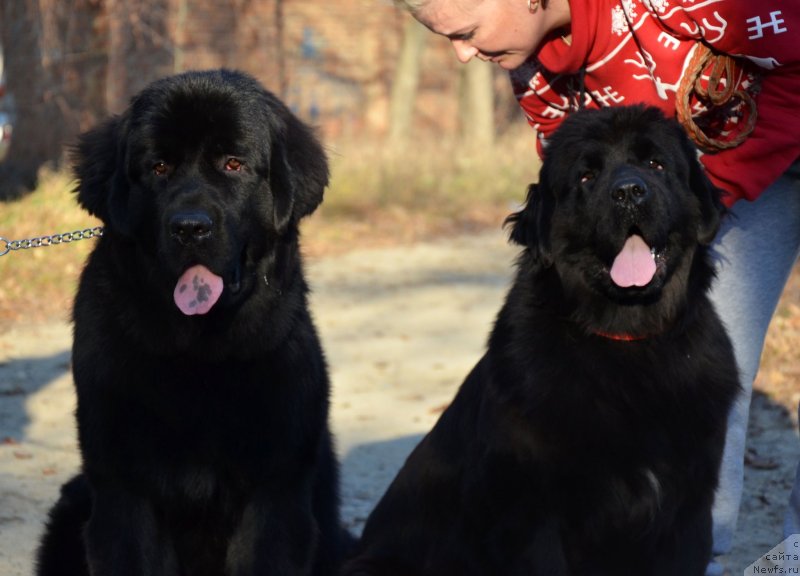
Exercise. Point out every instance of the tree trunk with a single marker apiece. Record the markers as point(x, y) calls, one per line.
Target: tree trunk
point(280, 35)
point(141, 48)
point(54, 61)
point(406, 81)
point(476, 106)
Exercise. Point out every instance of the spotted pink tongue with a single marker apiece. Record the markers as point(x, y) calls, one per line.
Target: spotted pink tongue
point(197, 291)
point(634, 265)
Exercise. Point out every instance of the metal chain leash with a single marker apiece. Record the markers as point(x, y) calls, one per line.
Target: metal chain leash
point(7, 245)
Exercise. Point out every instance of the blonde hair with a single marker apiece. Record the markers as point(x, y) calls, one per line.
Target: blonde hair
point(413, 6)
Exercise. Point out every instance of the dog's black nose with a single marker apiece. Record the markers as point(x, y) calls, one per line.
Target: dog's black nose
point(190, 227)
point(630, 189)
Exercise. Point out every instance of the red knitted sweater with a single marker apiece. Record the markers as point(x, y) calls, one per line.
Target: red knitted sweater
point(634, 51)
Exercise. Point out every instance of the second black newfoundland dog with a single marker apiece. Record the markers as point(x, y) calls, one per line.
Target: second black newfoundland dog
point(202, 388)
point(587, 440)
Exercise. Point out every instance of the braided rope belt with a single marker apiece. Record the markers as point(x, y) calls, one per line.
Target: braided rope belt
point(720, 94)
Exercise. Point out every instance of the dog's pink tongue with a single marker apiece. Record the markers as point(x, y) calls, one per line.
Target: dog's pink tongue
point(634, 265)
point(197, 291)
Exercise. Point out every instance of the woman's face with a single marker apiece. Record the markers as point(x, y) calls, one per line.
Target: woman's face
point(501, 31)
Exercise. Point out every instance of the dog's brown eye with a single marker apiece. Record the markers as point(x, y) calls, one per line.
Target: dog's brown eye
point(656, 165)
point(587, 177)
point(160, 169)
point(233, 165)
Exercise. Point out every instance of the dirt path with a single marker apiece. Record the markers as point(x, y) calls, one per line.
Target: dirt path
point(401, 328)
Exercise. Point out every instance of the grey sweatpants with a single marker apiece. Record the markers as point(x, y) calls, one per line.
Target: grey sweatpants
point(755, 252)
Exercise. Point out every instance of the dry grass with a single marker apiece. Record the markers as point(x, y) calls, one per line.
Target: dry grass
point(38, 284)
point(377, 196)
point(382, 195)
point(779, 376)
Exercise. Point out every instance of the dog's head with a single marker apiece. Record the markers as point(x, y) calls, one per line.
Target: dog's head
point(204, 171)
point(622, 213)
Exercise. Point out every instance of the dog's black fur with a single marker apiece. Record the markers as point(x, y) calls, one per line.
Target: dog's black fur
point(205, 440)
point(587, 440)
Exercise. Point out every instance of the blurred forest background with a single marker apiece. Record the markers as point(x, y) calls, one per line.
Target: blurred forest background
point(356, 69)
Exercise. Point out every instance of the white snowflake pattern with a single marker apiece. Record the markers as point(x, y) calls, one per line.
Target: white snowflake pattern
point(659, 6)
point(629, 6)
point(619, 23)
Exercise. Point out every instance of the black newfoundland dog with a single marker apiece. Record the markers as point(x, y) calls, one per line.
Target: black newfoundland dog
point(202, 387)
point(587, 440)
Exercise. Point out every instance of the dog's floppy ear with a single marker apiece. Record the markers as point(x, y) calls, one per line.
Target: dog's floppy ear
point(298, 172)
point(530, 227)
point(99, 165)
point(711, 207)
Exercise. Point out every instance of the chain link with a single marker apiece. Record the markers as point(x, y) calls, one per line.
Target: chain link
point(7, 246)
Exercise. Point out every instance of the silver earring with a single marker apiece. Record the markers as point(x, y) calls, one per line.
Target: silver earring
point(533, 6)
